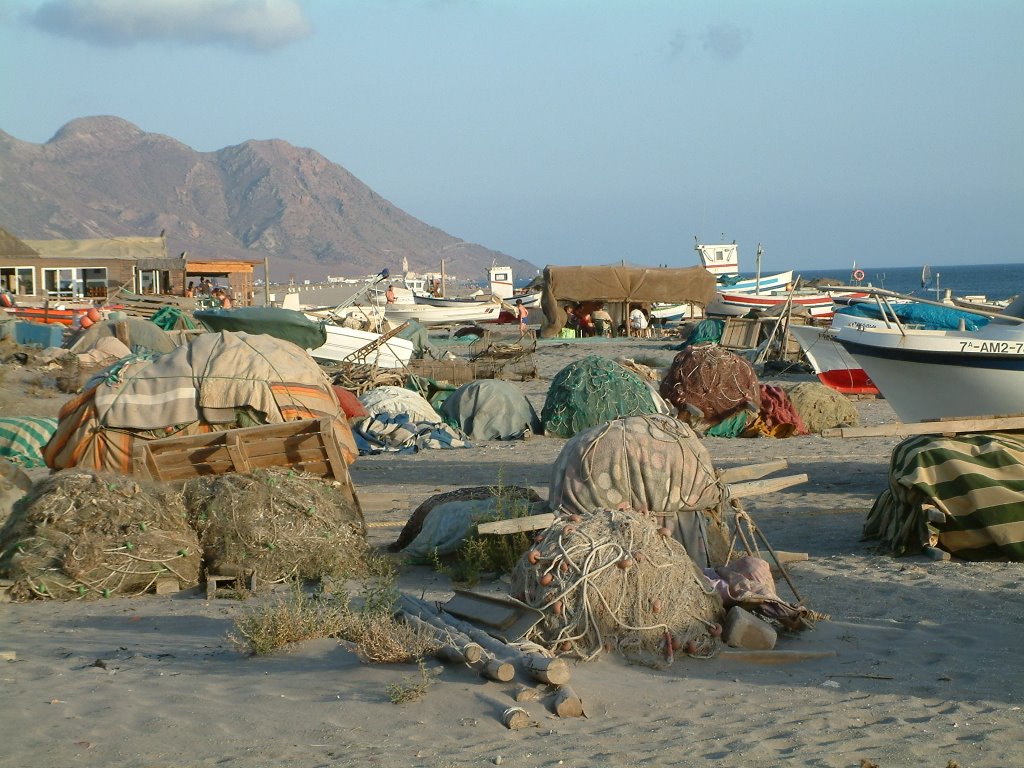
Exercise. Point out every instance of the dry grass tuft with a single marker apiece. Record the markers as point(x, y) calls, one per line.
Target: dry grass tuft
point(411, 688)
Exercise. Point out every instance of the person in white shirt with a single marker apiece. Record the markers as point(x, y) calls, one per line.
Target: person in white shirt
point(637, 321)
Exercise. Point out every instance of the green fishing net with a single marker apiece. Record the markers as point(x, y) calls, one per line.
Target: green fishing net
point(591, 391)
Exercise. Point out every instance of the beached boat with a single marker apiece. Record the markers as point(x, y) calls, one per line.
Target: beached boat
point(500, 286)
point(461, 312)
point(59, 314)
point(927, 374)
point(736, 297)
point(832, 364)
point(343, 342)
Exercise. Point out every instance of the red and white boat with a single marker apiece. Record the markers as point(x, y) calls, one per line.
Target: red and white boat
point(832, 364)
point(60, 314)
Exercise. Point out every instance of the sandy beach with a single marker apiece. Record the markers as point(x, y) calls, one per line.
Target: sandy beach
point(925, 670)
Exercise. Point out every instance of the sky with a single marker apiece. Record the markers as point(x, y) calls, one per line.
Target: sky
point(884, 132)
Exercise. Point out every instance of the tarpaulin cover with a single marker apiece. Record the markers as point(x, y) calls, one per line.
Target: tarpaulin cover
point(490, 409)
point(215, 382)
point(138, 334)
point(22, 439)
point(620, 284)
point(977, 481)
point(286, 324)
point(653, 463)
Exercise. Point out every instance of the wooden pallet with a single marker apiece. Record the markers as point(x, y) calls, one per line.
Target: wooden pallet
point(309, 446)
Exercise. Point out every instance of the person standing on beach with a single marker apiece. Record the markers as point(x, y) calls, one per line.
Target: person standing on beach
point(389, 294)
point(523, 314)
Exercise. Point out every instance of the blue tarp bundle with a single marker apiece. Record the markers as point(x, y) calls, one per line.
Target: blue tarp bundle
point(928, 316)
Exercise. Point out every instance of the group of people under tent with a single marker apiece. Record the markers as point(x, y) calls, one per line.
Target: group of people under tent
point(590, 318)
point(206, 289)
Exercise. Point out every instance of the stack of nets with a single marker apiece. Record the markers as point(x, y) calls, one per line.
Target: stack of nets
point(709, 384)
point(778, 416)
point(652, 463)
point(591, 391)
point(614, 580)
point(277, 524)
point(821, 407)
point(82, 535)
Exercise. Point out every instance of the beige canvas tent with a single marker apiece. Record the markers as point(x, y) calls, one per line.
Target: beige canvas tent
point(623, 285)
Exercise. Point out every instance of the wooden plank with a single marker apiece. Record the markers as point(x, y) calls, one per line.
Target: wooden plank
point(756, 487)
point(329, 439)
point(517, 524)
point(752, 471)
point(950, 426)
point(237, 452)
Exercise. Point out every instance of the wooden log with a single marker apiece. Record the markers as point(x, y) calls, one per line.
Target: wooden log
point(517, 524)
point(567, 703)
point(468, 651)
point(552, 671)
point(939, 555)
point(516, 717)
point(527, 660)
point(496, 669)
point(527, 694)
point(755, 487)
point(752, 471)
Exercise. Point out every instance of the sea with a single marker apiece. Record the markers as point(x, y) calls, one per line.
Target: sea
point(994, 281)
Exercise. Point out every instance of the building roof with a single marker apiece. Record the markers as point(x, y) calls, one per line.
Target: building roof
point(107, 248)
point(12, 246)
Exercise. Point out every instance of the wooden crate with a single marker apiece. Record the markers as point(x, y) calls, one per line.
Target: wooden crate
point(310, 446)
point(741, 333)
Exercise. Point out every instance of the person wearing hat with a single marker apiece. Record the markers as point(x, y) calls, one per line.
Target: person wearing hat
point(522, 313)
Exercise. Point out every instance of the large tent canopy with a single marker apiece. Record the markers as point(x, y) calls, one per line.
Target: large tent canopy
point(620, 284)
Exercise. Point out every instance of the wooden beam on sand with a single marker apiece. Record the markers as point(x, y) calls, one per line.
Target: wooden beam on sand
point(517, 524)
point(756, 487)
point(752, 471)
point(940, 427)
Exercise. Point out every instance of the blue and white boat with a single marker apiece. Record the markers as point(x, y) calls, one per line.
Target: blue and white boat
point(927, 375)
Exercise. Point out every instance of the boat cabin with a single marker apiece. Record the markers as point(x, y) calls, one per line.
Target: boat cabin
point(720, 259)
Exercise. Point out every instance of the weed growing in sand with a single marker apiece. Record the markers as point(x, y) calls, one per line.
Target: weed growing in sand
point(289, 619)
point(489, 554)
point(411, 688)
point(298, 616)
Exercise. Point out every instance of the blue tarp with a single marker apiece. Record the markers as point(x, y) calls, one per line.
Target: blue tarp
point(928, 316)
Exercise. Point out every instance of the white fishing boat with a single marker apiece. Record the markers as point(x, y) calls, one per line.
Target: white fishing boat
point(461, 312)
point(343, 342)
point(832, 364)
point(723, 261)
point(500, 286)
point(928, 375)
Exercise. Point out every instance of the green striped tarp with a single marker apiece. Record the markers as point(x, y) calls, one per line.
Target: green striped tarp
point(976, 480)
point(22, 439)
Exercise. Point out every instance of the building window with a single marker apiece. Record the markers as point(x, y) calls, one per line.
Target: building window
point(66, 283)
point(21, 281)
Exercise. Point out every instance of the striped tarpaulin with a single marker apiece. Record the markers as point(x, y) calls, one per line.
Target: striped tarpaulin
point(976, 480)
point(22, 439)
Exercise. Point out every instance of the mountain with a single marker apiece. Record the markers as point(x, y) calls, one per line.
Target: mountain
point(104, 177)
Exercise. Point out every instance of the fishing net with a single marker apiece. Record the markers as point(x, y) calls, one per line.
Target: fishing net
point(82, 535)
point(614, 580)
point(652, 463)
point(821, 407)
point(778, 417)
point(709, 384)
point(278, 524)
point(591, 391)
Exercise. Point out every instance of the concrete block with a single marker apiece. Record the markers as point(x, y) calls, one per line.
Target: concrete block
point(745, 630)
